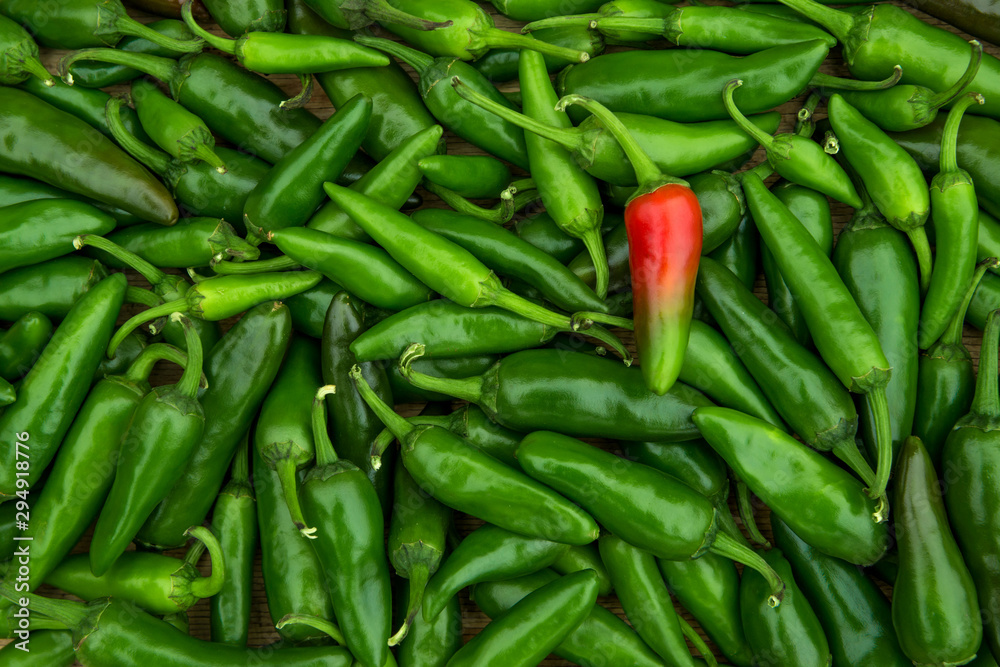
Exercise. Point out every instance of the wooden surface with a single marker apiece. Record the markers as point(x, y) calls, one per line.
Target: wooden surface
point(262, 631)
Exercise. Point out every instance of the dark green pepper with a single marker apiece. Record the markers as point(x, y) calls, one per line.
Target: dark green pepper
point(47, 648)
point(584, 557)
point(94, 75)
point(22, 344)
point(429, 644)
point(500, 65)
point(243, 17)
point(16, 189)
point(34, 231)
point(191, 243)
point(51, 288)
point(19, 55)
point(472, 176)
point(309, 308)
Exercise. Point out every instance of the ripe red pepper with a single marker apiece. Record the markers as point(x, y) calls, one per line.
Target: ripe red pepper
point(664, 226)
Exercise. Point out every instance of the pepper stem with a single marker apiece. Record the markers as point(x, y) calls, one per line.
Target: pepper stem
point(142, 367)
point(699, 644)
point(395, 423)
point(225, 243)
point(158, 67)
point(206, 587)
point(138, 319)
point(837, 22)
point(953, 334)
point(805, 122)
point(745, 505)
point(847, 451)
point(922, 247)
point(303, 96)
point(288, 478)
point(878, 407)
point(320, 624)
point(72, 614)
point(762, 137)
point(418, 60)
point(153, 275)
point(382, 12)
point(205, 153)
point(241, 462)
point(949, 136)
point(153, 158)
point(469, 389)
point(594, 243)
point(570, 139)
point(728, 525)
point(127, 25)
point(986, 402)
point(654, 27)
point(419, 575)
point(141, 296)
point(381, 443)
point(221, 43)
point(946, 97)
point(726, 546)
point(573, 21)
point(34, 67)
point(494, 38)
point(499, 214)
point(261, 266)
point(191, 378)
point(325, 453)
point(821, 80)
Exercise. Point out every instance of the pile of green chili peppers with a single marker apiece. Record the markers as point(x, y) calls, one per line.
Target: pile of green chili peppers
point(476, 368)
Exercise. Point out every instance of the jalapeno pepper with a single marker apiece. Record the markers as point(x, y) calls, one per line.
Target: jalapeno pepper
point(34, 231)
point(99, 75)
point(48, 648)
point(238, 19)
point(628, 9)
point(164, 430)
point(500, 65)
point(19, 54)
point(53, 146)
point(22, 344)
point(15, 190)
point(51, 288)
point(192, 242)
point(584, 557)
point(472, 176)
point(57, 384)
point(234, 522)
point(786, 475)
point(428, 644)
point(240, 369)
point(683, 85)
point(972, 16)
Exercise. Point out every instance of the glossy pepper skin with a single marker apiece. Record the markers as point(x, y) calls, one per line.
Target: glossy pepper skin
point(22, 343)
point(466, 479)
point(19, 55)
point(854, 613)
point(35, 231)
point(49, 648)
point(243, 17)
point(51, 288)
point(584, 395)
point(685, 86)
point(601, 638)
point(43, 142)
point(57, 385)
point(935, 609)
point(787, 636)
point(234, 523)
point(500, 65)
point(253, 349)
point(99, 75)
point(165, 429)
point(428, 644)
point(17, 189)
point(585, 557)
point(533, 626)
point(191, 243)
point(956, 231)
point(785, 475)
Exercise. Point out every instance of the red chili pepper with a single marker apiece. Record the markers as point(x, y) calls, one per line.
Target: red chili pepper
point(663, 222)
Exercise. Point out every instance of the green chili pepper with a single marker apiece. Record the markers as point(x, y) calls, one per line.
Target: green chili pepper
point(472, 480)
point(165, 429)
point(934, 604)
point(500, 65)
point(114, 632)
point(988, 242)
point(34, 231)
point(56, 386)
point(397, 111)
point(198, 187)
point(739, 252)
point(472, 176)
point(785, 475)
point(309, 308)
point(488, 554)
point(500, 214)
point(946, 380)
point(541, 231)
point(600, 639)
point(240, 18)
point(192, 242)
point(645, 599)
point(95, 75)
point(51, 288)
point(340, 501)
point(15, 190)
point(533, 10)
point(676, 148)
point(428, 644)
point(234, 522)
point(467, 281)
point(478, 127)
point(790, 635)
point(283, 434)
point(365, 270)
point(294, 580)
point(240, 369)
point(355, 426)
point(683, 85)
point(51, 145)
point(22, 344)
point(616, 250)
point(956, 224)
point(854, 613)
point(584, 557)
point(693, 463)
point(19, 56)
point(389, 182)
point(846, 341)
point(48, 648)
point(594, 22)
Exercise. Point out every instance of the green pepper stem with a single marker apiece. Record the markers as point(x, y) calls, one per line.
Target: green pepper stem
point(34, 67)
point(226, 243)
point(221, 43)
point(878, 407)
point(164, 69)
point(499, 214)
point(71, 614)
point(953, 334)
point(241, 462)
point(837, 22)
point(288, 478)
point(762, 137)
point(320, 624)
point(847, 451)
point(745, 505)
point(325, 453)
point(301, 98)
point(594, 243)
point(382, 12)
point(522, 185)
point(138, 319)
point(395, 423)
point(805, 123)
point(726, 546)
point(153, 158)
point(949, 136)
point(142, 367)
point(922, 247)
point(419, 575)
point(763, 171)
point(728, 525)
point(494, 38)
point(699, 644)
point(141, 296)
point(379, 445)
point(603, 318)
point(191, 378)
point(127, 25)
point(418, 60)
point(153, 275)
point(654, 27)
point(986, 403)
point(569, 138)
point(281, 263)
point(821, 80)
point(573, 21)
point(206, 587)
point(946, 97)
point(469, 389)
point(205, 153)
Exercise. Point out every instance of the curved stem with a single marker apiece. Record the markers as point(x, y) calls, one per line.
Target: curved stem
point(469, 389)
point(699, 644)
point(72, 614)
point(325, 453)
point(382, 12)
point(805, 123)
point(946, 97)
point(142, 367)
point(320, 624)
point(141, 296)
point(569, 138)
point(158, 67)
point(418, 582)
point(522, 185)
point(381, 443)
point(603, 318)
point(288, 478)
point(878, 407)
point(129, 26)
point(303, 96)
point(35, 68)
point(226, 243)
point(726, 546)
point(847, 451)
point(221, 43)
point(918, 237)
point(728, 525)
point(499, 214)
point(241, 462)
point(153, 158)
point(594, 243)
point(137, 320)
point(191, 378)
point(494, 38)
point(821, 80)
point(281, 263)
point(762, 137)
point(745, 504)
point(206, 587)
point(953, 334)
point(986, 402)
point(205, 153)
point(573, 21)
point(418, 60)
point(395, 423)
point(152, 274)
point(949, 136)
